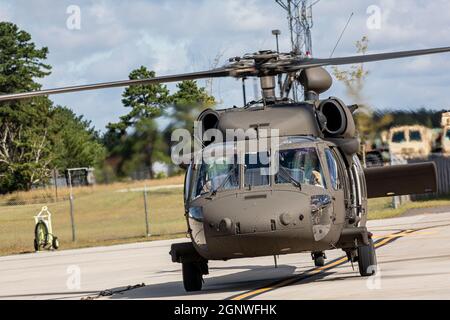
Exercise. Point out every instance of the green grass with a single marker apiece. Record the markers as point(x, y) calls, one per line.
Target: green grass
point(382, 208)
point(104, 216)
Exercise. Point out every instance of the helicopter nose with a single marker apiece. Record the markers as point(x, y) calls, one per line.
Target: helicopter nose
point(252, 214)
point(257, 224)
point(264, 223)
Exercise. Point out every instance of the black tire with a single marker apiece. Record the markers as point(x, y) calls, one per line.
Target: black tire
point(41, 234)
point(192, 277)
point(367, 260)
point(36, 245)
point(319, 261)
point(319, 258)
point(55, 243)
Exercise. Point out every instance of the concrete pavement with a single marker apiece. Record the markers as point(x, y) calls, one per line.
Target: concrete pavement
point(414, 266)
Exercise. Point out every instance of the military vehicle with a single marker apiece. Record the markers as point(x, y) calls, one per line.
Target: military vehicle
point(445, 142)
point(411, 141)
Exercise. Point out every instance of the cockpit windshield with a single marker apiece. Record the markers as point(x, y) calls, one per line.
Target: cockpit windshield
point(221, 171)
point(303, 165)
point(218, 174)
point(257, 173)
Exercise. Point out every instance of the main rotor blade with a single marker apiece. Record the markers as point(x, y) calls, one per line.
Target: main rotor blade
point(312, 63)
point(216, 73)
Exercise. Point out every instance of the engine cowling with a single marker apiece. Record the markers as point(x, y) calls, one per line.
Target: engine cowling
point(209, 119)
point(339, 119)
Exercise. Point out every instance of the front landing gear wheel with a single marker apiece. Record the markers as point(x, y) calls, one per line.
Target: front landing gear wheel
point(192, 277)
point(319, 258)
point(367, 260)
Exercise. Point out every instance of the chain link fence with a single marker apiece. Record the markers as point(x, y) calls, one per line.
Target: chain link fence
point(102, 214)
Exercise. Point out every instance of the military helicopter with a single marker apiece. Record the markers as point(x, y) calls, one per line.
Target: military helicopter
point(316, 201)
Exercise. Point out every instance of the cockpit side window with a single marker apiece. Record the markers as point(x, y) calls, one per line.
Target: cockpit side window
point(333, 169)
point(303, 165)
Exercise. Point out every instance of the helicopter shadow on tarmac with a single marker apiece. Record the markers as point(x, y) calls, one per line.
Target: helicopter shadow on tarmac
point(252, 278)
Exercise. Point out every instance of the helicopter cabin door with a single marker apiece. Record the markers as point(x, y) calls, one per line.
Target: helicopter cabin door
point(336, 182)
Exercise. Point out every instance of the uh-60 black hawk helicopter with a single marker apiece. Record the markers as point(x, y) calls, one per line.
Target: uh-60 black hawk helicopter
point(317, 201)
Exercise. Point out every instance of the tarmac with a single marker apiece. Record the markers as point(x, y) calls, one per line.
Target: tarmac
point(413, 254)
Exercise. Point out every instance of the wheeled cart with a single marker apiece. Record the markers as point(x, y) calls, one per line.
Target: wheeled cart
point(43, 231)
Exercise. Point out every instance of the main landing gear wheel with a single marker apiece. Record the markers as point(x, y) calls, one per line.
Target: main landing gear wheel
point(192, 276)
point(367, 260)
point(319, 258)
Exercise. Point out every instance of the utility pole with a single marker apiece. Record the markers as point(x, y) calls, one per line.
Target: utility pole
point(300, 20)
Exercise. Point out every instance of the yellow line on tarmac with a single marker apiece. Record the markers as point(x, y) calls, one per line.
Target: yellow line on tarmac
point(288, 281)
point(262, 290)
point(316, 271)
point(329, 266)
point(394, 235)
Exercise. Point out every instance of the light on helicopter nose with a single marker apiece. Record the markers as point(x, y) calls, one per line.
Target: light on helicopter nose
point(286, 219)
point(226, 225)
point(196, 213)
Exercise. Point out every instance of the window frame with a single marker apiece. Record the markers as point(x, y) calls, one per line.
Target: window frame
point(195, 171)
point(317, 148)
point(243, 172)
point(332, 153)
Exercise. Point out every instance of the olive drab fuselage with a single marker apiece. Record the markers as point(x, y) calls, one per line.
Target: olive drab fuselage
point(278, 217)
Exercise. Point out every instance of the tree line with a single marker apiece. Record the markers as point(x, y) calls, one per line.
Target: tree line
point(37, 136)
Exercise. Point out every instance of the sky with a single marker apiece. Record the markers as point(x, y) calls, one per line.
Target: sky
point(116, 36)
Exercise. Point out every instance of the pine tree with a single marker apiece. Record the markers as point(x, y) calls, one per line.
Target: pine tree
point(35, 136)
point(24, 135)
point(187, 103)
point(138, 130)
